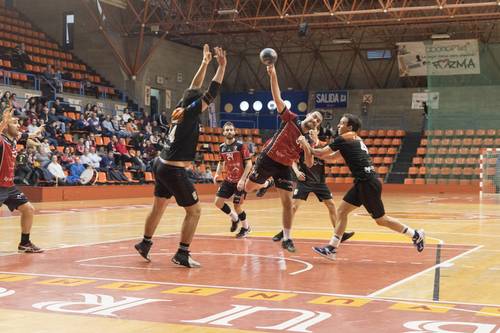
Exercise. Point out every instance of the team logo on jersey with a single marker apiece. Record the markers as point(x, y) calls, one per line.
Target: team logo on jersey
point(195, 195)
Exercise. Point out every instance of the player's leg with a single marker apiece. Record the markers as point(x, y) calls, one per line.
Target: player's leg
point(27, 213)
point(225, 192)
point(182, 257)
point(242, 215)
point(15, 199)
point(332, 213)
point(350, 202)
point(152, 221)
point(371, 195)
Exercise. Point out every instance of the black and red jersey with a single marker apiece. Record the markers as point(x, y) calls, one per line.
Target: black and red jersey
point(8, 154)
point(283, 147)
point(234, 156)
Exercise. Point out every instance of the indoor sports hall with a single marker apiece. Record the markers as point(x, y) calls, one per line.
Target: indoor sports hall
point(157, 153)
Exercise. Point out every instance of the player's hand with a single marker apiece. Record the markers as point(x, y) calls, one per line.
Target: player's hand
point(271, 70)
point(302, 141)
point(241, 185)
point(314, 134)
point(207, 55)
point(177, 115)
point(220, 55)
point(300, 176)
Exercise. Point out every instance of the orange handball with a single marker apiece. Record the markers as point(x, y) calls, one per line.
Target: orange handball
point(177, 115)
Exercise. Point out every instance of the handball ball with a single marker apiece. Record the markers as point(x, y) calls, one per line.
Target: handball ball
point(268, 56)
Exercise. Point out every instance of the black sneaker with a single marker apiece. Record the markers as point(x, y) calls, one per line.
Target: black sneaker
point(183, 258)
point(346, 236)
point(29, 247)
point(143, 249)
point(325, 252)
point(243, 232)
point(262, 191)
point(288, 245)
point(278, 236)
point(419, 240)
point(234, 225)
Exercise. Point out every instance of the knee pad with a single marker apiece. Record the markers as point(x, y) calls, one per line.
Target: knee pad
point(242, 216)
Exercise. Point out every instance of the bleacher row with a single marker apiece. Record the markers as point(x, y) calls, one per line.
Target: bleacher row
point(383, 146)
point(42, 52)
point(452, 156)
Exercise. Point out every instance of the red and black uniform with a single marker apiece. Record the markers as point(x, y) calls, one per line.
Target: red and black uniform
point(279, 153)
point(234, 156)
point(9, 194)
point(367, 189)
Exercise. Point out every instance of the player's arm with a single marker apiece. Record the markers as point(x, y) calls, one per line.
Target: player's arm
point(299, 174)
point(316, 152)
point(308, 156)
point(202, 70)
point(214, 88)
point(275, 89)
point(332, 157)
point(218, 171)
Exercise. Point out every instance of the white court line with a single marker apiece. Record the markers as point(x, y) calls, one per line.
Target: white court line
point(376, 293)
point(308, 265)
point(381, 299)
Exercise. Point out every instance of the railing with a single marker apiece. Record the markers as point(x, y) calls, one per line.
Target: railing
point(8, 76)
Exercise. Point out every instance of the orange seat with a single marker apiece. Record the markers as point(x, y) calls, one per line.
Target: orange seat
point(388, 160)
point(409, 181)
point(417, 160)
point(419, 181)
point(383, 170)
point(412, 171)
point(148, 177)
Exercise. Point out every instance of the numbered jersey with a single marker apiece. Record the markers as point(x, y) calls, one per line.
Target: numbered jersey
point(234, 156)
point(355, 154)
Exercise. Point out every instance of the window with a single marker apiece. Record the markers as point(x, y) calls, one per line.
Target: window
point(378, 54)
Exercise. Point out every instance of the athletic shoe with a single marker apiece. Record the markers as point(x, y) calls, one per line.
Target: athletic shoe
point(288, 245)
point(262, 191)
point(419, 240)
point(234, 225)
point(278, 236)
point(346, 236)
point(183, 258)
point(143, 249)
point(243, 232)
point(29, 247)
point(325, 252)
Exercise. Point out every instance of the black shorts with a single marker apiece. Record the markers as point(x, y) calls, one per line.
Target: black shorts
point(320, 189)
point(12, 197)
point(174, 181)
point(369, 194)
point(265, 168)
point(227, 189)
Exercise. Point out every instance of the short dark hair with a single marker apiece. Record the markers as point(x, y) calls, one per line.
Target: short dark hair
point(353, 121)
point(228, 123)
point(189, 96)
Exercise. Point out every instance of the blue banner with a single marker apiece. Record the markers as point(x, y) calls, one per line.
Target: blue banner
point(330, 99)
point(257, 109)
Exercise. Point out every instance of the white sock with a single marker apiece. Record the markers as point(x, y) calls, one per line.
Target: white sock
point(234, 216)
point(245, 224)
point(286, 233)
point(335, 241)
point(408, 231)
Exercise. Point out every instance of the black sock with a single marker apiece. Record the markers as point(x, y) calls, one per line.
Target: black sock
point(25, 238)
point(226, 209)
point(147, 239)
point(183, 247)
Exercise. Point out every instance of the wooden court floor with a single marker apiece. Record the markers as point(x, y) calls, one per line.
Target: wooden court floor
point(90, 279)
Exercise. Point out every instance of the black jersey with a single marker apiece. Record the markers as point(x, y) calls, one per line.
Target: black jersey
point(314, 174)
point(355, 154)
point(183, 136)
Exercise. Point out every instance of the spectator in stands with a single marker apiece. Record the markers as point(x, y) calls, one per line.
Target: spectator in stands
point(163, 121)
point(15, 104)
point(80, 146)
point(75, 170)
point(107, 126)
point(250, 145)
point(43, 154)
point(24, 167)
point(131, 127)
point(67, 157)
point(496, 178)
point(57, 170)
point(118, 129)
point(207, 176)
point(121, 148)
point(94, 123)
point(138, 165)
point(6, 98)
point(81, 124)
point(19, 57)
point(150, 150)
point(85, 158)
point(126, 116)
point(109, 166)
point(94, 158)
